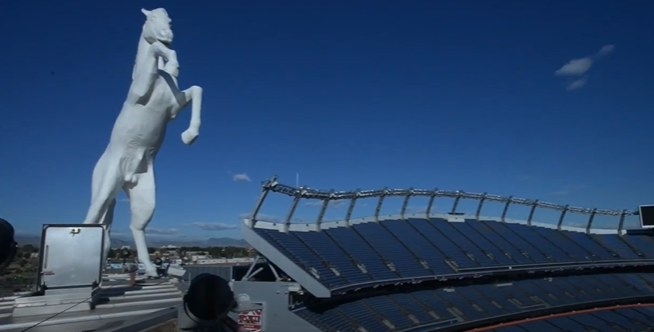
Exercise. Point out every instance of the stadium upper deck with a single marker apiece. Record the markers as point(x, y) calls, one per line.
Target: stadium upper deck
point(450, 269)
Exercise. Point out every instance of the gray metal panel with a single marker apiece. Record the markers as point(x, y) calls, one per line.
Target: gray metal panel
point(71, 255)
point(274, 297)
point(287, 265)
point(222, 271)
point(120, 306)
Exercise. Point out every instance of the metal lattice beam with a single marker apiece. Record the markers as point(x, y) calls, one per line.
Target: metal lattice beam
point(298, 194)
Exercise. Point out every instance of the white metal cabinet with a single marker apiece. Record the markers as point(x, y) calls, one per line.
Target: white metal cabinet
point(71, 256)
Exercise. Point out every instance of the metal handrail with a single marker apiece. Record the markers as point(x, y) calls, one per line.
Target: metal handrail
point(299, 193)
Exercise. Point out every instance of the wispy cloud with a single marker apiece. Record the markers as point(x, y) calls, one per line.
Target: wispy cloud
point(213, 226)
point(606, 50)
point(260, 216)
point(575, 67)
point(524, 177)
point(577, 84)
point(162, 231)
point(241, 177)
point(578, 68)
point(569, 189)
point(154, 232)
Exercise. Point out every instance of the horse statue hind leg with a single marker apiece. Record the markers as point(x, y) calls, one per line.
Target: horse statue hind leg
point(141, 194)
point(105, 184)
point(142, 203)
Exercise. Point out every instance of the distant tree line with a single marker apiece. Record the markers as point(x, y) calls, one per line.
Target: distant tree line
point(216, 252)
point(20, 275)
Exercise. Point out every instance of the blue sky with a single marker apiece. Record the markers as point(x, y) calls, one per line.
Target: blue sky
point(450, 94)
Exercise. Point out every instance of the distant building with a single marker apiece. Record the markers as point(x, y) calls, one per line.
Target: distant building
point(228, 261)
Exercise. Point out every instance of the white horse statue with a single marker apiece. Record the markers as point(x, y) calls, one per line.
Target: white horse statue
point(128, 161)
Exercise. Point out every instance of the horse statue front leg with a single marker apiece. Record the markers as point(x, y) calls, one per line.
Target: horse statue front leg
point(193, 95)
point(146, 71)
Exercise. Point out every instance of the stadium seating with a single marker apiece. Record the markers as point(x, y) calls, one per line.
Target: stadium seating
point(623, 319)
point(391, 251)
point(428, 309)
point(458, 271)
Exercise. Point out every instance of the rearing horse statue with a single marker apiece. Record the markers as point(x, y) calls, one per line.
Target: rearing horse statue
point(128, 161)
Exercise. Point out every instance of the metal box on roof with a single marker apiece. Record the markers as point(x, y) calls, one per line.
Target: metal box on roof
point(71, 256)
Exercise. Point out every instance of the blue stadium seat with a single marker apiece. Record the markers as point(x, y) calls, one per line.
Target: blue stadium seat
point(643, 316)
point(642, 244)
point(589, 244)
point(390, 251)
point(304, 256)
point(451, 231)
point(363, 253)
point(534, 236)
point(418, 309)
point(449, 307)
point(420, 246)
point(386, 308)
point(329, 251)
point(615, 244)
point(487, 247)
point(506, 231)
point(459, 256)
point(362, 315)
point(405, 262)
point(622, 319)
point(505, 245)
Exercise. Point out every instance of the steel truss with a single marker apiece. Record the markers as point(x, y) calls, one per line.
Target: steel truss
point(297, 194)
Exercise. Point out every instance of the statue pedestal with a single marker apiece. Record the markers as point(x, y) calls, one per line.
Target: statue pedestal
point(70, 270)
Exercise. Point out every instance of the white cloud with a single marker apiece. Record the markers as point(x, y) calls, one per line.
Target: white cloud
point(215, 226)
point(580, 67)
point(241, 177)
point(569, 189)
point(260, 216)
point(161, 231)
point(577, 84)
point(606, 50)
point(575, 67)
point(524, 177)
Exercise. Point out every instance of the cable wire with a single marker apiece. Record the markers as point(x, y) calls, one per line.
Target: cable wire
point(71, 307)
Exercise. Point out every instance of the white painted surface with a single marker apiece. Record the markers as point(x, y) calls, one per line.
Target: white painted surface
point(152, 101)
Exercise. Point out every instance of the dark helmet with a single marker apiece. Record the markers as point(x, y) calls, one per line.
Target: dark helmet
point(209, 297)
point(7, 243)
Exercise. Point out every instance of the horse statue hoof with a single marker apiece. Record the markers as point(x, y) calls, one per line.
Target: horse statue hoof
point(189, 136)
point(151, 272)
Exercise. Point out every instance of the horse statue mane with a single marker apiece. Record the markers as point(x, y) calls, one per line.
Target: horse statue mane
point(127, 163)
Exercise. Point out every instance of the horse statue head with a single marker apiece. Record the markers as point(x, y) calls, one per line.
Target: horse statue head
point(157, 26)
